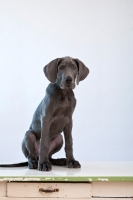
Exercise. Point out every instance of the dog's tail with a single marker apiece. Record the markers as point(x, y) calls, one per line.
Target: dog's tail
point(23, 164)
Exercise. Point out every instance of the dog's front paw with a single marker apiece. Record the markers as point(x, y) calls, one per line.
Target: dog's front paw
point(46, 166)
point(32, 164)
point(74, 164)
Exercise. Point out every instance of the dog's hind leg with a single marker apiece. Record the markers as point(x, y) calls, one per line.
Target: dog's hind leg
point(30, 148)
point(55, 146)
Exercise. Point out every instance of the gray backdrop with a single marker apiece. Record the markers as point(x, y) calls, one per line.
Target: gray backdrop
point(98, 32)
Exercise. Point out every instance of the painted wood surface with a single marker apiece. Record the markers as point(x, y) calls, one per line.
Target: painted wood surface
point(112, 189)
point(89, 172)
point(19, 198)
point(94, 190)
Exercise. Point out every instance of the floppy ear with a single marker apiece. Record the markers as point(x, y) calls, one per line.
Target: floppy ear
point(50, 70)
point(83, 71)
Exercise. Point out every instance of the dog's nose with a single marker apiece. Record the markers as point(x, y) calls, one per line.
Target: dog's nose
point(68, 79)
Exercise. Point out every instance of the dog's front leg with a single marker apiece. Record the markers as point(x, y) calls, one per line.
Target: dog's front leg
point(44, 164)
point(48, 107)
point(72, 163)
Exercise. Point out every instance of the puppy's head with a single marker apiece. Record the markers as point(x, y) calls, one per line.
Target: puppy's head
point(66, 71)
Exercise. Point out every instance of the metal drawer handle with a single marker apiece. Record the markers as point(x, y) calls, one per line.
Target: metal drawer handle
point(48, 190)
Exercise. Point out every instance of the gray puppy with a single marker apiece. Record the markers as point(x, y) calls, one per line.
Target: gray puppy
point(54, 116)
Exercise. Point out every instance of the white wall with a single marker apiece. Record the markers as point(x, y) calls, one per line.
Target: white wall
point(98, 32)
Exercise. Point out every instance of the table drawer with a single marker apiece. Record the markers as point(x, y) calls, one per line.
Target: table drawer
point(67, 190)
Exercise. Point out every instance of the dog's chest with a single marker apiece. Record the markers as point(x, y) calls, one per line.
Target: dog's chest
point(64, 108)
point(61, 116)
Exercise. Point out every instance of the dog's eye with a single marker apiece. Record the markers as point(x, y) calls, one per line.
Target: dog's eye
point(74, 67)
point(60, 67)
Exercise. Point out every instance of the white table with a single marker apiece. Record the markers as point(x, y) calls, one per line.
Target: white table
point(93, 181)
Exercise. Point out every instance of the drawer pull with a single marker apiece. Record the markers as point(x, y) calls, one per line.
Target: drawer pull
point(48, 190)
